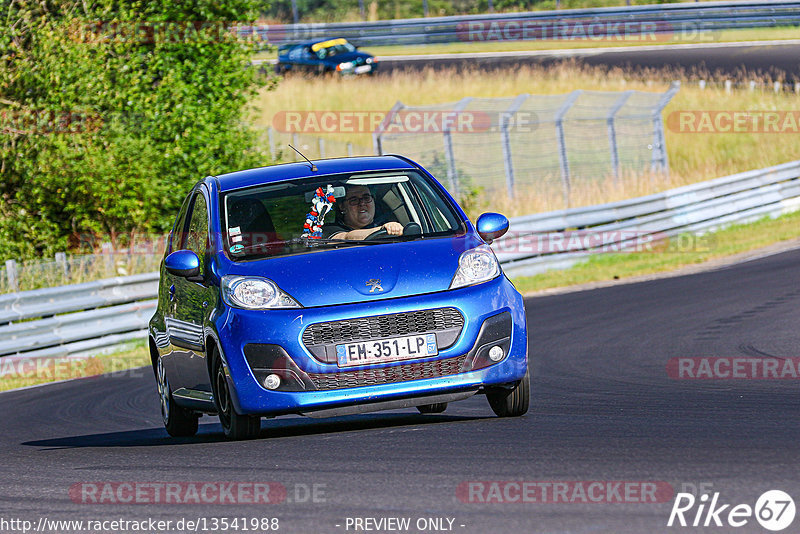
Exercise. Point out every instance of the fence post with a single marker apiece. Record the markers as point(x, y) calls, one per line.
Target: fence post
point(271, 136)
point(61, 261)
point(377, 142)
point(108, 258)
point(612, 133)
point(449, 156)
point(506, 141)
point(659, 161)
point(296, 143)
point(562, 147)
point(321, 143)
point(350, 149)
point(11, 274)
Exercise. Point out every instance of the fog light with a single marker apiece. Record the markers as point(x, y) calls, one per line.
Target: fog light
point(496, 353)
point(272, 382)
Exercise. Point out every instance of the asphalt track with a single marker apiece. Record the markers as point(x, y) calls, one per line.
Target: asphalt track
point(603, 409)
point(779, 60)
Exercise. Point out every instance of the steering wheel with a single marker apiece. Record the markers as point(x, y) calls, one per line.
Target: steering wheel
point(380, 233)
point(411, 228)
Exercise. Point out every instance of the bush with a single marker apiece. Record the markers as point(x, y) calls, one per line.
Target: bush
point(104, 129)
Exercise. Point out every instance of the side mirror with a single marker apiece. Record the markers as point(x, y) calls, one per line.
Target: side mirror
point(183, 263)
point(491, 226)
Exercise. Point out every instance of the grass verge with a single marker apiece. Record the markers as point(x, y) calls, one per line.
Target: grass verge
point(19, 373)
point(722, 243)
point(693, 157)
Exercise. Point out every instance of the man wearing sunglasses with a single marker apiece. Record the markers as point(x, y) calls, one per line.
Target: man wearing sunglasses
point(355, 219)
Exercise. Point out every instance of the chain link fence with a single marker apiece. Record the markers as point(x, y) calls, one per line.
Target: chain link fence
point(517, 145)
point(63, 269)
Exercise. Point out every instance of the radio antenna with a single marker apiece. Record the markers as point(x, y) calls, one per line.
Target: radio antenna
point(313, 167)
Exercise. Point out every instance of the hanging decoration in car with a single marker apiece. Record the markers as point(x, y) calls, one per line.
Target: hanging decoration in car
point(321, 204)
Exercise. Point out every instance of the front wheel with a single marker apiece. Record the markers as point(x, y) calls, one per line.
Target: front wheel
point(511, 402)
point(235, 426)
point(177, 421)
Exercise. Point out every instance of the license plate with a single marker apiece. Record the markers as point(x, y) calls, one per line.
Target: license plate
point(363, 68)
point(386, 350)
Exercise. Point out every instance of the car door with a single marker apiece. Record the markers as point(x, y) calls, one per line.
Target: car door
point(193, 300)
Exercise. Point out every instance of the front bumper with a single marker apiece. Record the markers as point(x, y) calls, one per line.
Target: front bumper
point(463, 366)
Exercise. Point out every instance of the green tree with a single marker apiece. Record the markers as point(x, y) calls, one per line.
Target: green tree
point(111, 109)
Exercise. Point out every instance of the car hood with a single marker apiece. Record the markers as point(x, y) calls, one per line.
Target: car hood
point(364, 273)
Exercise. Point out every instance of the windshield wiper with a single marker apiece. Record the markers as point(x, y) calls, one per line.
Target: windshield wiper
point(325, 241)
point(305, 241)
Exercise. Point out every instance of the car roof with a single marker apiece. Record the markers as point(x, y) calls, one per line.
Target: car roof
point(289, 171)
point(313, 41)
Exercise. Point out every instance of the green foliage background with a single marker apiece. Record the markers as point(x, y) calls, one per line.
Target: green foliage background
point(159, 114)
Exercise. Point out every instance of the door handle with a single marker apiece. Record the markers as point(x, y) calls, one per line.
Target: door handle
point(172, 292)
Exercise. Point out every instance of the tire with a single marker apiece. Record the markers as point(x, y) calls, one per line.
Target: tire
point(439, 407)
point(235, 426)
point(178, 421)
point(511, 402)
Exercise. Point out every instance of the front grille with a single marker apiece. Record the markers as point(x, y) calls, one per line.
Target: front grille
point(388, 375)
point(383, 326)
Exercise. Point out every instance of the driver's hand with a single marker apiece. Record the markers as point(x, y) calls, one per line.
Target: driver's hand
point(393, 228)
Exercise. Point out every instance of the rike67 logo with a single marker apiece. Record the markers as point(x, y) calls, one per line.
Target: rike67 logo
point(774, 510)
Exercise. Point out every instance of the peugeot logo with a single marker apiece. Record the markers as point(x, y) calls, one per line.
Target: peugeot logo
point(376, 285)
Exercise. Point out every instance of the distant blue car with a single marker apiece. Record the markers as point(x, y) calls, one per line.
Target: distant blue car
point(336, 287)
point(325, 55)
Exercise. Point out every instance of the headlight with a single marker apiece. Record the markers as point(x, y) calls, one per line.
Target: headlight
point(252, 293)
point(475, 266)
point(345, 66)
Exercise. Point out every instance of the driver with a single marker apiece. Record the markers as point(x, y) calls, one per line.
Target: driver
point(357, 217)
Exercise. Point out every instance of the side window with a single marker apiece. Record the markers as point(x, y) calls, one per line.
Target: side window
point(197, 234)
point(176, 237)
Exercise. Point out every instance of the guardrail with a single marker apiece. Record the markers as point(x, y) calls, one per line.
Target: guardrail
point(572, 235)
point(662, 18)
point(77, 319)
point(80, 319)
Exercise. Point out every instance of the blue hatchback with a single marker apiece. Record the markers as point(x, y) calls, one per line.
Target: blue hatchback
point(336, 287)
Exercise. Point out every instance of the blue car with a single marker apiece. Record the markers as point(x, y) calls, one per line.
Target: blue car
point(324, 56)
point(335, 287)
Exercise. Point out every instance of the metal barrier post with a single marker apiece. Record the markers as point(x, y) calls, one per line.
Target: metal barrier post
point(271, 136)
point(562, 146)
point(612, 133)
point(321, 143)
point(61, 261)
point(506, 141)
point(11, 274)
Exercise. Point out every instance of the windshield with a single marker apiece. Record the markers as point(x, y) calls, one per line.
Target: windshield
point(313, 214)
